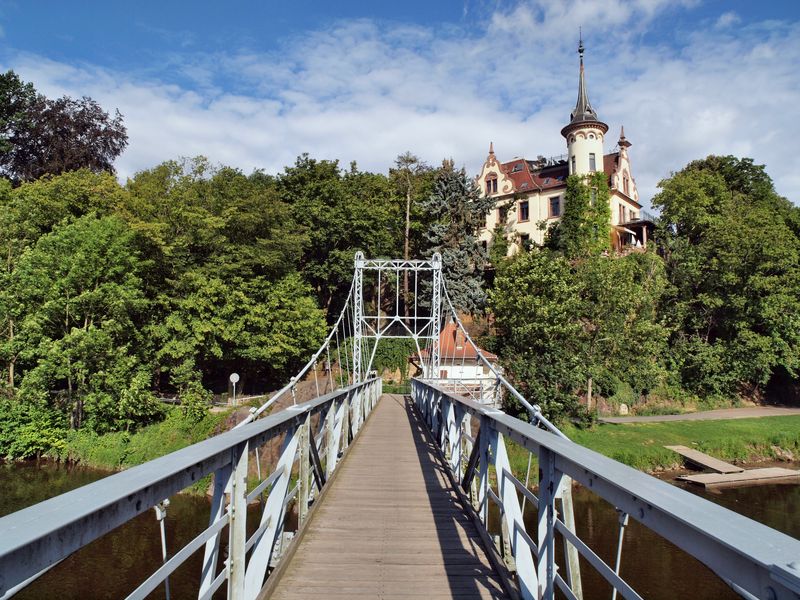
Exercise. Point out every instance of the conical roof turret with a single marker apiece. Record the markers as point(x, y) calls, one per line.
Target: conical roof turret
point(583, 112)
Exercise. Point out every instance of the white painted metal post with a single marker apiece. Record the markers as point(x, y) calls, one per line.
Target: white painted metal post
point(237, 529)
point(512, 513)
point(303, 468)
point(546, 519)
point(271, 517)
point(335, 422)
point(436, 316)
point(222, 480)
point(358, 315)
point(572, 564)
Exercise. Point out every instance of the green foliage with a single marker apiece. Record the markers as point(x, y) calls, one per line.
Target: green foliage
point(459, 209)
point(29, 429)
point(342, 212)
point(392, 354)
point(585, 227)
point(39, 136)
point(81, 295)
point(732, 253)
point(498, 251)
point(535, 302)
point(561, 324)
point(127, 449)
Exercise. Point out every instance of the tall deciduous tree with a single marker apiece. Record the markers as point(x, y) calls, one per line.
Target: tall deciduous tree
point(81, 294)
point(409, 175)
point(733, 257)
point(459, 210)
point(343, 211)
point(40, 136)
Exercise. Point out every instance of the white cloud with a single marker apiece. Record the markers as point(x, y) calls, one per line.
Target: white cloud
point(727, 19)
point(365, 91)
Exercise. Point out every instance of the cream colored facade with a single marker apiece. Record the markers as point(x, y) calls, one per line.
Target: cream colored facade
point(529, 193)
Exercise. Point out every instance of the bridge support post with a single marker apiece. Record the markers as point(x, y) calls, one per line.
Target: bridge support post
point(546, 521)
point(572, 563)
point(529, 583)
point(272, 517)
point(222, 480)
point(335, 420)
point(304, 474)
point(237, 529)
point(436, 315)
point(358, 315)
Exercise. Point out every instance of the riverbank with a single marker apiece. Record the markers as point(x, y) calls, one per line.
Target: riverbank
point(641, 445)
point(121, 450)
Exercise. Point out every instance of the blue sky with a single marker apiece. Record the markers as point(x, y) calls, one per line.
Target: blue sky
point(254, 84)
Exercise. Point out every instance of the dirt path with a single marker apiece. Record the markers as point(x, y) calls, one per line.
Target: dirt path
point(711, 415)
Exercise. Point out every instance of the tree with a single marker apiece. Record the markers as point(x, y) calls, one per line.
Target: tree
point(458, 210)
point(536, 302)
point(257, 327)
point(343, 212)
point(584, 228)
point(81, 298)
point(26, 214)
point(40, 136)
point(408, 174)
point(16, 100)
point(623, 339)
point(732, 252)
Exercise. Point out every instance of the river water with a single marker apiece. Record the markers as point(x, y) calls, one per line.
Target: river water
point(114, 565)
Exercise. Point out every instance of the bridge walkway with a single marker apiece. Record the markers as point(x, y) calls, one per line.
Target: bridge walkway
point(390, 526)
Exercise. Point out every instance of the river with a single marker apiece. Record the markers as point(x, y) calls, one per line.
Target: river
point(112, 566)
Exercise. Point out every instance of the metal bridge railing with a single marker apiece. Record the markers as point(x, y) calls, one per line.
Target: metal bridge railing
point(313, 436)
point(755, 560)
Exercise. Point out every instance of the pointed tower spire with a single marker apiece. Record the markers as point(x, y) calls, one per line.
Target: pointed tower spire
point(623, 141)
point(583, 108)
point(491, 147)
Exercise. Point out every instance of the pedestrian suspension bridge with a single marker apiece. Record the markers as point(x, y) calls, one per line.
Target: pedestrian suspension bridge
point(364, 494)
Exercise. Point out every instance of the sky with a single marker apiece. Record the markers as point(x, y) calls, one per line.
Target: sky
point(254, 84)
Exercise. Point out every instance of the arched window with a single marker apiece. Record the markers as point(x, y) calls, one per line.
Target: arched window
point(626, 184)
point(491, 184)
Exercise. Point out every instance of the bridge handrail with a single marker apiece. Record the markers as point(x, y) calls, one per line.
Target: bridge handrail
point(751, 557)
point(37, 537)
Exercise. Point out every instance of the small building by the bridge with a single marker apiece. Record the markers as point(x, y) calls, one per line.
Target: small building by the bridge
point(530, 192)
point(458, 357)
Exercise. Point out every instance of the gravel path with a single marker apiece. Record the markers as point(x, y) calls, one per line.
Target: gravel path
point(711, 415)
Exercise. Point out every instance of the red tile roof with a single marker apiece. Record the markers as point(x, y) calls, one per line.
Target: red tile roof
point(527, 177)
point(453, 345)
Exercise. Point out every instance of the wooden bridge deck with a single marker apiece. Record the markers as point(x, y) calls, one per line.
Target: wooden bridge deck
point(390, 526)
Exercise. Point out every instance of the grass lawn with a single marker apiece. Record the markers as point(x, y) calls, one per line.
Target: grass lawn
point(641, 445)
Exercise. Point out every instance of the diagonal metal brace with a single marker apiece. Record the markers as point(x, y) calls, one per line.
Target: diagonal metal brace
point(472, 463)
point(319, 475)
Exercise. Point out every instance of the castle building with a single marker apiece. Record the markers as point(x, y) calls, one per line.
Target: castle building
point(529, 192)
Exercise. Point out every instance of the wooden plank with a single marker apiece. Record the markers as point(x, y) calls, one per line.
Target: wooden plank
point(749, 477)
point(390, 526)
point(704, 460)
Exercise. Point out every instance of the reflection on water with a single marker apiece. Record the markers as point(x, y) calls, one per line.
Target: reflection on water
point(114, 565)
point(654, 567)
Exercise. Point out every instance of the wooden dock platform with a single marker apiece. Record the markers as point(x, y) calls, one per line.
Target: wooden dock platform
point(390, 526)
point(704, 460)
point(743, 478)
